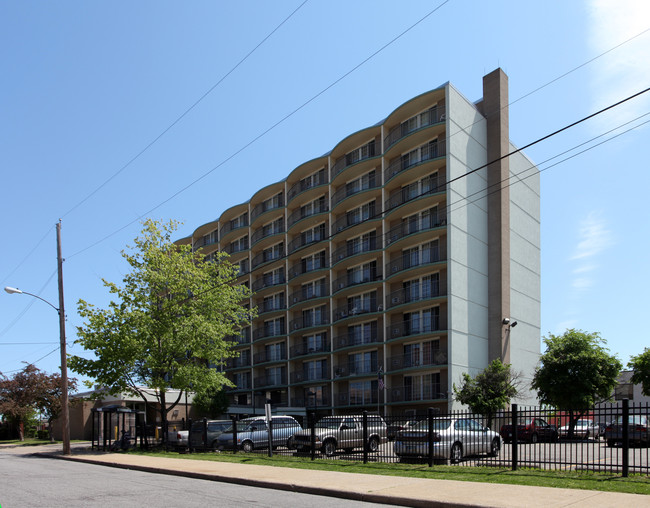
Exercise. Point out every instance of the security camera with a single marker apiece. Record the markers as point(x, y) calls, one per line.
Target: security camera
point(513, 324)
point(506, 320)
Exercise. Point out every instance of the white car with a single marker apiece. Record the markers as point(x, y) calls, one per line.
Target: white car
point(584, 429)
point(453, 439)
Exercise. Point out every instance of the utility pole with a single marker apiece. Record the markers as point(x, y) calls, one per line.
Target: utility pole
point(65, 419)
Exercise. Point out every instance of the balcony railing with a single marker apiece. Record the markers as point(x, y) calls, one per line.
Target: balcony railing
point(307, 377)
point(235, 247)
point(354, 399)
point(305, 184)
point(206, 240)
point(299, 268)
point(348, 280)
point(309, 322)
point(303, 213)
point(238, 363)
point(408, 329)
point(355, 369)
point(230, 226)
point(264, 232)
point(410, 260)
point(406, 227)
point(266, 281)
point(420, 393)
point(348, 310)
point(425, 358)
point(270, 306)
point(347, 190)
point(348, 220)
point(263, 332)
point(270, 381)
point(243, 338)
point(301, 241)
point(424, 119)
point(301, 295)
point(403, 296)
point(265, 357)
point(267, 206)
point(360, 154)
point(357, 339)
point(306, 349)
point(405, 195)
point(308, 402)
point(426, 153)
point(352, 249)
point(267, 257)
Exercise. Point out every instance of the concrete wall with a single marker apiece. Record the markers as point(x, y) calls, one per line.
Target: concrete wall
point(467, 239)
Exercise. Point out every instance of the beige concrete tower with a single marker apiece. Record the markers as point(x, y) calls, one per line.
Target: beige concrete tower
point(495, 109)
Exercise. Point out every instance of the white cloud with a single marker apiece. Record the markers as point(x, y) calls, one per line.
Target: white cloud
point(594, 237)
point(625, 70)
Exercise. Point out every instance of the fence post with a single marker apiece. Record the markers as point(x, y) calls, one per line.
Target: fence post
point(311, 421)
point(430, 435)
point(365, 436)
point(189, 435)
point(270, 432)
point(205, 433)
point(234, 433)
point(515, 437)
point(626, 437)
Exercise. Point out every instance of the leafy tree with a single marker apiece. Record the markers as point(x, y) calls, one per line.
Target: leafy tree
point(211, 402)
point(48, 399)
point(640, 365)
point(575, 373)
point(490, 391)
point(167, 324)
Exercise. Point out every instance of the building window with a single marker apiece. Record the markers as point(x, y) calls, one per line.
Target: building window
point(363, 392)
point(362, 363)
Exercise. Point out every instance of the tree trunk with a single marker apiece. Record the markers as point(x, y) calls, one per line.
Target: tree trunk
point(163, 416)
point(21, 431)
point(49, 430)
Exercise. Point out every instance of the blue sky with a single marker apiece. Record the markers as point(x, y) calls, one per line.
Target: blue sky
point(87, 86)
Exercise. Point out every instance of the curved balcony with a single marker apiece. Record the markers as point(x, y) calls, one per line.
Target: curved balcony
point(406, 228)
point(364, 368)
point(426, 393)
point(270, 381)
point(407, 329)
point(347, 281)
point(357, 155)
point(268, 281)
point(238, 363)
point(271, 306)
point(411, 361)
point(435, 289)
point(352, 249)
point(305, 267)
point(308, 183)
point(302, 296)
point(266, 257)
point(432, 116)
point(268, 357)
point(302, 241)
point(347, 220)
point(355, 339)
point(305, 349)
point(425, 257)
point(406, 195)
point(242, 339)
point(310, 377)
point(275, 228)
point(427, 153)
point(235, 247)
point(267, 206)
point(302, 213)
point(349, 311)
point(266, 333)
point(352, 188)
point(308, 322)
point(205, 241)
point(231, 226)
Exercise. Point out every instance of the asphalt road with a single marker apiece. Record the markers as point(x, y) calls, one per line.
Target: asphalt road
point(32, 481)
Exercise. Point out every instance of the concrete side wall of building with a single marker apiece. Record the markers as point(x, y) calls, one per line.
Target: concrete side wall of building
point(467, 237)
point(525, 269)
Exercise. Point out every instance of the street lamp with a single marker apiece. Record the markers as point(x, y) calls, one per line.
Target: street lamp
point(65, 419)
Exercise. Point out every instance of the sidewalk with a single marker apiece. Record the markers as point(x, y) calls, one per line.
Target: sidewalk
point(366, 487)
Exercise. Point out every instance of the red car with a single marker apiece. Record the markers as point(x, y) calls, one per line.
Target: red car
point(530, 430)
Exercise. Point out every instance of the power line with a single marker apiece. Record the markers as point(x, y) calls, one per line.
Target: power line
point(265, 132)
point(210, 90)
point(27, 256)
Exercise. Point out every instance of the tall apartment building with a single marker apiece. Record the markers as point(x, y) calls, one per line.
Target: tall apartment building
point(389, 261)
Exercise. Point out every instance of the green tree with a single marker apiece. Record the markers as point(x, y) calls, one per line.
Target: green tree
point(48, 398)
point(640, 365)
point(575, 373)
point(211, 403)
point(167, 324)
point(490, 391)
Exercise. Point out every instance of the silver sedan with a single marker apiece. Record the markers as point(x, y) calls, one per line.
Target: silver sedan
point(453, 438)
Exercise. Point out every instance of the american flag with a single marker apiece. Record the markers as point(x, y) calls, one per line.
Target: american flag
point(380, 379)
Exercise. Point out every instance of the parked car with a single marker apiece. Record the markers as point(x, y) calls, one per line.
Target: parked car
point(343, 432)
point(395, 427)
point(214, 429)
point(584, 428)
point(637, 431)
point(531, 430)
point(178, 438)
point(253, 433)
point(453, 439)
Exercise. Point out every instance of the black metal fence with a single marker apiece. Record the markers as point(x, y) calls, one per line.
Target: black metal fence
point(610, 438)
